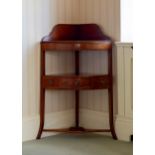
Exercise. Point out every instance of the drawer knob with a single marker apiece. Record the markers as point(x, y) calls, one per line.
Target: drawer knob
point(77, 46)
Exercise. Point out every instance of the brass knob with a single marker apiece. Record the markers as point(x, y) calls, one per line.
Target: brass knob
point(77, 46)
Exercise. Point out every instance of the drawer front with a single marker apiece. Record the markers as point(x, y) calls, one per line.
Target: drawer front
point(59, 83)
point(94, 46)
point(85, 83)
point(100, 82)
point(76, 83)
point(66, 83)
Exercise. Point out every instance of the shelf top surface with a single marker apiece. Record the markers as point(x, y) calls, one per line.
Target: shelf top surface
point(76, 33)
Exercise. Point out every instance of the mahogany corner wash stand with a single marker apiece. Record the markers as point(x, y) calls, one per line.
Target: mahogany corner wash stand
point(76, 37)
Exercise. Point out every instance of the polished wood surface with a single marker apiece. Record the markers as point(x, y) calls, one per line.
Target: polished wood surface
point(76, 32)
point(76, 82)
point(76, 37)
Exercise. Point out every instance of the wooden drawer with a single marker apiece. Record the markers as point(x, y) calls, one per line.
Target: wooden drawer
point(58, 82)
point(75, 82)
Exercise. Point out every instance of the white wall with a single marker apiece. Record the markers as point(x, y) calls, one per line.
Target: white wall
point(126, 21)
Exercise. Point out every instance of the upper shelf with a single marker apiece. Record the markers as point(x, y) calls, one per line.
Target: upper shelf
point(76, 37)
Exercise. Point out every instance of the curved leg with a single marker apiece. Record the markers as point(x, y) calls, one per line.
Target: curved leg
point(42, 111)
point(111, 121)
point(42, 94)
point(110, 95)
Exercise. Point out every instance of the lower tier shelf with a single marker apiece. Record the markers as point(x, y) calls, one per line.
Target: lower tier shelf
point(76, 82)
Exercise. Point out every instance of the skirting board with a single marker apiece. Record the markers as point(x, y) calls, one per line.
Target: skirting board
point(95, 119)
point(88, 119)
point(30, 125)
point(124, 127)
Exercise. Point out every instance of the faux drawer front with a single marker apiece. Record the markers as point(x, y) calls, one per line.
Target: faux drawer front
point(66, 82)
point(59, 82)
point(76, 82)
point(101, 82)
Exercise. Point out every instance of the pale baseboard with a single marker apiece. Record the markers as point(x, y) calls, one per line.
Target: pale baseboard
point(62, 119)
point(88, 119)
point(124, 127)
point(94, 119)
